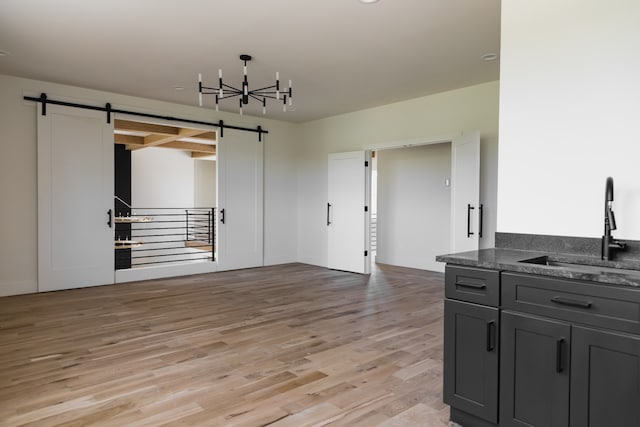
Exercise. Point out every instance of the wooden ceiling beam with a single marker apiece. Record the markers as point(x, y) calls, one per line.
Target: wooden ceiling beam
point(211, 136)
point(156, 140)
point(151, 135)
point(195, 155)
point(132, 140)
point(194, 147)
point(127, 125)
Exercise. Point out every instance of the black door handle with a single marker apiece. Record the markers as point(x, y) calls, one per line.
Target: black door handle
point(222, 216)
point(560, 355)
point(110, 220)
point(491, 335)
point(469, 209)
point(328, 213)
point(480, 227)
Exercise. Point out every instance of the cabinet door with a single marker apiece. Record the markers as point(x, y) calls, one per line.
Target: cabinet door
point(534, 371)
point(471, 358)
point(605, 384)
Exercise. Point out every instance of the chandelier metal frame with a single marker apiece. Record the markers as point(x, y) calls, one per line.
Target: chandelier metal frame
point(225, 91)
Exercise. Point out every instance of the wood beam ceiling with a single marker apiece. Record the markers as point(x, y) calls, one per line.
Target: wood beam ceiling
point(137, 135)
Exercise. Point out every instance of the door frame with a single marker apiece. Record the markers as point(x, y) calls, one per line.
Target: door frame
point(415, 142)
point(162, 271)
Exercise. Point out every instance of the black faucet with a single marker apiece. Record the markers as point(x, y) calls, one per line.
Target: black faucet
point(609, 244)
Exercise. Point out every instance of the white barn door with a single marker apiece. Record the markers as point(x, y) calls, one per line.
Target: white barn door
point(465, 192)
point(240, 200)
point(348, 214)
point(75, 198)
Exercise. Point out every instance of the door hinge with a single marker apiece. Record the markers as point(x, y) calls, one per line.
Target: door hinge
point(366, 253)
point(366, 163)
point(366, 208)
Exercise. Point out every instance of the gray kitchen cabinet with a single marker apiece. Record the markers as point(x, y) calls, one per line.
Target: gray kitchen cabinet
point(534, 371)
point(539, 351)
point(605, 378)
point(471, 345)
point(471, 358)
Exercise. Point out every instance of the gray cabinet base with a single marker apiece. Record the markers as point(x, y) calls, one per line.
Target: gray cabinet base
point(467, 420)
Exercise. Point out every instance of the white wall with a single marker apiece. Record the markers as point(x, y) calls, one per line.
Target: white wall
point(281, 198)
point(205, 183)
point(569, 114)
point(18, 222)
point(426, 118)
point(162, 178)
point(414, 206)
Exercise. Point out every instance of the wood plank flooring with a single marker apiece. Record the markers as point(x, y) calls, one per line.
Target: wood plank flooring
point(291, 345)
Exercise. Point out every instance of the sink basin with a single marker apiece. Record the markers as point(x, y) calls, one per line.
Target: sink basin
point(587, 268)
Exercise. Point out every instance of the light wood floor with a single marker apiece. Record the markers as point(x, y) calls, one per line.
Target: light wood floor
point(292, 345)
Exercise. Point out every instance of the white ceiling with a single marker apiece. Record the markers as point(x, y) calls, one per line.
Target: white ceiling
point(341, 55)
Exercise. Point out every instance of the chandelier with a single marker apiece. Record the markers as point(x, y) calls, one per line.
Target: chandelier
point(225, 91)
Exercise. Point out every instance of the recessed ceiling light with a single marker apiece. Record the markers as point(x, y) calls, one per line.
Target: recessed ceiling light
point(489, 57)
point(368, 1)
point(4, 53)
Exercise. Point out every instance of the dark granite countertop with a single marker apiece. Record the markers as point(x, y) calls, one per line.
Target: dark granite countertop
point(624, 272)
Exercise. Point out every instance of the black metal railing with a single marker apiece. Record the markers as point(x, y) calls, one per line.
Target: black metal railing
point(151, 236)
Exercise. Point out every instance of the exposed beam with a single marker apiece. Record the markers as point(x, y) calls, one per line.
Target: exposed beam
point(146, 127)
point(151, 135)
point(128, 139)
point(196, 155)
point(211, 136)
point(194, 147)
point(155, 140)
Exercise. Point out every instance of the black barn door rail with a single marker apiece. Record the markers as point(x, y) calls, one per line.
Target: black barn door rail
point(109, 110)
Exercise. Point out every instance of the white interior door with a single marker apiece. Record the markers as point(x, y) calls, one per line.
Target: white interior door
point(465, 192)
point(75, 197)
point(240, 200)
point(348, 215)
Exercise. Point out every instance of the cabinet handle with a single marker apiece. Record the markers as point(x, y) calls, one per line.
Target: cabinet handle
point(491, 335)
point(328, 213)
point(560, 355)
point(222, 216)
point(571, 302)
point(469, 209)
point(471, 285)
point(110, 220)
point(481, 215)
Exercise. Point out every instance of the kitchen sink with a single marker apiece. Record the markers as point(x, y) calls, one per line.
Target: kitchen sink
point(577, 266)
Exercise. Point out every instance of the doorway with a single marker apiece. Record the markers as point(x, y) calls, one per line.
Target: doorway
point(161, 227)
point(412, 195)
point(427, 200)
